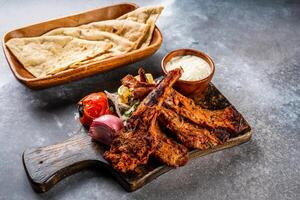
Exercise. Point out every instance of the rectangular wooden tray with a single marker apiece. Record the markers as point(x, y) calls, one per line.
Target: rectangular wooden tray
point(100, 14)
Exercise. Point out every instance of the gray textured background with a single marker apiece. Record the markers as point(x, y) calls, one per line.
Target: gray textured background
point(256, 48)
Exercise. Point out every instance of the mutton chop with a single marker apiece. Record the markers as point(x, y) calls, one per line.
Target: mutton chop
point(227, 119)
point(191, 135)
point(222, 121)
point(168, 151)
point(138, 139)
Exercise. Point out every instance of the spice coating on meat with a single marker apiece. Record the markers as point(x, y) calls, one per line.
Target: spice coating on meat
point(138, 139)
point(223, 121)
point(168, 151)
point(193, 126)
point(191, 135)
point(227, 119)
point(133, 147)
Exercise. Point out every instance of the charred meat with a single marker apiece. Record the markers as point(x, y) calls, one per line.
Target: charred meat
point(138, 139)
point(226, 119)
point(223, 121)
point(168, 151)
point(140, 88)
point(191, 135)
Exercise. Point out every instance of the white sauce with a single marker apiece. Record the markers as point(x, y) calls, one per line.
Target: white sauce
point(194, 67)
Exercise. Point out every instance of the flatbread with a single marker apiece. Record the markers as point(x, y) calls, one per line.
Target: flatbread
point(146, 15)
point(120, 44)
point(132, 31)
point(46, 55)
point(71, 47)
point(109, 54)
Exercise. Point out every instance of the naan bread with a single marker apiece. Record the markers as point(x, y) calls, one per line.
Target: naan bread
point(109, 54)
point(130, 30)
point(146, 15)
point(120, 44)
point(46, 55)
point(71, 47)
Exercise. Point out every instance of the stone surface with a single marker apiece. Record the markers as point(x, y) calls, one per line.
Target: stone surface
point(256, 49)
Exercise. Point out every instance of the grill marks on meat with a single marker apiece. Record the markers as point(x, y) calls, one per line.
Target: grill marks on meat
point(139, 138)
point(168, 151)
point(191, 135)
point(227, 119)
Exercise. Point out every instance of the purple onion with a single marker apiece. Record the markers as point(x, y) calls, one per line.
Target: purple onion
point(104, 128)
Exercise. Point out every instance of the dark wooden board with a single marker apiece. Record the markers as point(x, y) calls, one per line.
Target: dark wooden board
point(46, 166)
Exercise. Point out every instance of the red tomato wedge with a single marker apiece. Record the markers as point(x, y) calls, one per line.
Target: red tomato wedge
point(92, 106)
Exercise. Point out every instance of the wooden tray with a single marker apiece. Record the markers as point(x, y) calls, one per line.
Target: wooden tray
point(46, 166)
point(100, 14)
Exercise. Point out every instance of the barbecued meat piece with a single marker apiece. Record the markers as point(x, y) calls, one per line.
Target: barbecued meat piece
point(138, 139)
point(191, 135)
point(141, 88)
point(220, 121)
point(227, 119)
point(134, 146)
point(142, 75)
point(168, 151)
point(131, 82)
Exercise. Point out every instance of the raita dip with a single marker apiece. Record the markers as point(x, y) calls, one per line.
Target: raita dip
point(194, 67)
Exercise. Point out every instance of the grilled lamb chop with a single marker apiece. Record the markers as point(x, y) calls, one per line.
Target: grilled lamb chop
point(168, 151)
point(191, 135)
point(220, 121)
point(226, 119)
point(138, 139)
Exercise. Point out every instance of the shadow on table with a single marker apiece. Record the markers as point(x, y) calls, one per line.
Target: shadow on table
point(203, 175)
point(72, 92)
point(84, 181)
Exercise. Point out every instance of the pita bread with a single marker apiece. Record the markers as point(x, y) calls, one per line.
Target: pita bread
point(46, 55)
point(146, 15)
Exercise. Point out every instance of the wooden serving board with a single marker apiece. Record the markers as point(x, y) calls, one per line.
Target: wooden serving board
point(46, 166)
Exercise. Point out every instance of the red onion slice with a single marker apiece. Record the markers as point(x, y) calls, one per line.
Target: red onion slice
point(104, 128)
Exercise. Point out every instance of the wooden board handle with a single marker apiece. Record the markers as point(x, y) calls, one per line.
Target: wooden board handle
point(46, 166)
